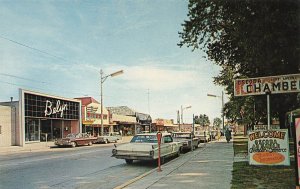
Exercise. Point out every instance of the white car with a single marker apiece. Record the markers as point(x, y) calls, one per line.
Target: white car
point(145, 147)
point(203, 135)
point(188, 140)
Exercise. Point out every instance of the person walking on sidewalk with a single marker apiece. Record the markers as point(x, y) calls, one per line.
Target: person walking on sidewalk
point(228, 135)
point(218, 134)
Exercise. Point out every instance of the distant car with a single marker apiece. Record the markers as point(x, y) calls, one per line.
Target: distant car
point(145, 147)
point(116, 134)
point(188, 140)
point(203, 135)
point(108, 138)
point(76, 139)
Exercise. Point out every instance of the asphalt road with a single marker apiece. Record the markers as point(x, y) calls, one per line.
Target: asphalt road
point(82, 167)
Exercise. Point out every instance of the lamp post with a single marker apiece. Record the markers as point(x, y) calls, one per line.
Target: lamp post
point(183, 108)
point(103, 78)
point(222, 97)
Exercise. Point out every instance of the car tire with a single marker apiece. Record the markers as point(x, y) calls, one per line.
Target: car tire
point(129, 161)
point(73, 144)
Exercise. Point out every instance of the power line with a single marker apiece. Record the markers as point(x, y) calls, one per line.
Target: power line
point(32, 48)
point(14, 76)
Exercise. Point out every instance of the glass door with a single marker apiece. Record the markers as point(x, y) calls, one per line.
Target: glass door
point(32, 130)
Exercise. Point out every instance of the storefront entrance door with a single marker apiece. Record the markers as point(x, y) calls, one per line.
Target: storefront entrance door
point(32, 130)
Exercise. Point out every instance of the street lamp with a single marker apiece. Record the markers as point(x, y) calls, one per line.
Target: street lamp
point(183, 108)
point(211, 95)
point(103, 78)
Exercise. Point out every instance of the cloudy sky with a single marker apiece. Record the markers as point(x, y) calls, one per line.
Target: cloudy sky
point(59, 47)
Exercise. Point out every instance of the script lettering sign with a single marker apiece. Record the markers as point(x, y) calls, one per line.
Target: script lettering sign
point(58, 108)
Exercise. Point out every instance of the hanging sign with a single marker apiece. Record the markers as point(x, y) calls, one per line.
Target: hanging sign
point(262, 85)
point(269, 147)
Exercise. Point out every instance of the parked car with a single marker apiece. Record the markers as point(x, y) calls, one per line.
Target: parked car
point(76, 139)
point(203, 135)
point(116, 134)
point(108, 138)
point(145, 147)
point(188, 140)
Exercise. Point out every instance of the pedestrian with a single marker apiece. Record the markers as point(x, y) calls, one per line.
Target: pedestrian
point(228, 135)
point(218, 134)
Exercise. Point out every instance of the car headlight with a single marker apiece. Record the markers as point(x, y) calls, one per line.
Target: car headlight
point(114, 151)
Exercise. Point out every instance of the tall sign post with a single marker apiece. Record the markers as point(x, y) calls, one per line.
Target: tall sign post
point(276, 152)
point(159, 135)
point(267, 85)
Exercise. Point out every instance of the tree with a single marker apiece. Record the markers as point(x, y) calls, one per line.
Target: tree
point(217, 122)
point(202, 119)
point(249, 38)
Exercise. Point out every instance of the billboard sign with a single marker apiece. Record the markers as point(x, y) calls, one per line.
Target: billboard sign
point(262, 85)
point(269, 147)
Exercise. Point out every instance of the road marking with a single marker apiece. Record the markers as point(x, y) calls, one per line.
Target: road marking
point(51, 157)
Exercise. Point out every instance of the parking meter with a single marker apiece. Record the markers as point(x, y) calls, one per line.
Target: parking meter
point(159, 136)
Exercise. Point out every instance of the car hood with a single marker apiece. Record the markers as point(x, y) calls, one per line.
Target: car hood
point(136, 146)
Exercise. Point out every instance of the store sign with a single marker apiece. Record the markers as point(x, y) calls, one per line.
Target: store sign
point(43, 106)
point(262, 85)
point(268, 147)
point(297, 130)
point(58, 108)
point(265, 127)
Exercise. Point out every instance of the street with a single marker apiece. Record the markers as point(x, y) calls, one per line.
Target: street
point(81, 167)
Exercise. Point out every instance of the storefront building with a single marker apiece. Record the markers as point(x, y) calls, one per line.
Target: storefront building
point(135, 122)
point(164, 125)
point(91, 117)
point(125, 125)
point(46, 117)
point(144, 122)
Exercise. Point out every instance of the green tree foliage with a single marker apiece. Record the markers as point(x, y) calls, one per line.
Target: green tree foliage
point(202, 119)
point(217, 122)
point(249, 38)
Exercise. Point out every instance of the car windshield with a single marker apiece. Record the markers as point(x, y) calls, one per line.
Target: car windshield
point(144, 139)
point(71, 135)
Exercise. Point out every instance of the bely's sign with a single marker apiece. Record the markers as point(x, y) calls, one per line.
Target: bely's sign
point(268, 147)
point(57, 109)
point(262, 85)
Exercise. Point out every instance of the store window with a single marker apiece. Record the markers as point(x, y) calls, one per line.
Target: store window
point(32, 130)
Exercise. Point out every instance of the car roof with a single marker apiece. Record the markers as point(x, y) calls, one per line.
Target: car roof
point(152, 134)
point(182, 132)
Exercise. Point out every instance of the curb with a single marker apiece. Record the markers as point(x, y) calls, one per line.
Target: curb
point(188, 157)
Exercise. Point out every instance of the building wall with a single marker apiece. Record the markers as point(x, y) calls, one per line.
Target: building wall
point(14, 116)
point(6, 126)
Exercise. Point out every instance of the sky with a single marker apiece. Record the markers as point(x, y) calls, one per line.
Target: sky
point(59, 48)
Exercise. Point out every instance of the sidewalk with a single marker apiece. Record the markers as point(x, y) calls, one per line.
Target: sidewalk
point(41, 146)
point(208, 167)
